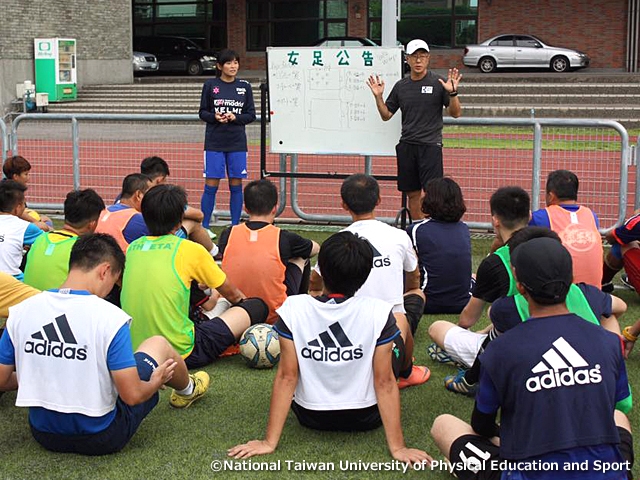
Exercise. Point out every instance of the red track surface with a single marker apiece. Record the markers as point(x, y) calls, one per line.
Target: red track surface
point(103, 164)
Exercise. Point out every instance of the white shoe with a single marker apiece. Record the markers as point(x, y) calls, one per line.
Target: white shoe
point(211, 234)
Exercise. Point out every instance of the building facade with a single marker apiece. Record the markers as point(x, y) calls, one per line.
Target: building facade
point(605, 29)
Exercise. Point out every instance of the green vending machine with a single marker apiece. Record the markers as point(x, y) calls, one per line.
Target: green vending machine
point(55, 64)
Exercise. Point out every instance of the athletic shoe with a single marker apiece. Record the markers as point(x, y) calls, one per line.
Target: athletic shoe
point(625, 281)
point(607, 287)
point(458, 384)
point(419, 375)
point(200, 386)
point(210, 233)
point(439, 355)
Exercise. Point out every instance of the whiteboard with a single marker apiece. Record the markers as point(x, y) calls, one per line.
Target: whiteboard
point(319, 101)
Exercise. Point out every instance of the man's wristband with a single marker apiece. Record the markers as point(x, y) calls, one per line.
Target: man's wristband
point(626, 333)
point(453, 94)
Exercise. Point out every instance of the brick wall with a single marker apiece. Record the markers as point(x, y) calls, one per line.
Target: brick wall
point(102, 29)
point(596, 27)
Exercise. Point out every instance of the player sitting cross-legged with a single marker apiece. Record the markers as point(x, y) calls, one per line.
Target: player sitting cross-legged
point(340, 355)
point(68, 353)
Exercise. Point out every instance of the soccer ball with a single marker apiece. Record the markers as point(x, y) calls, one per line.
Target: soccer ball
point(260, 347)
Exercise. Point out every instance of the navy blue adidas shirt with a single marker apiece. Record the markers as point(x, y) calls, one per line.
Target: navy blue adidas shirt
point(556, 381)
point(222, 97)
point(504, 313)
point(444, 256)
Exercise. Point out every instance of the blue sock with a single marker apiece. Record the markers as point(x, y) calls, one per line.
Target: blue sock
point(235, 203)
point(207, 203)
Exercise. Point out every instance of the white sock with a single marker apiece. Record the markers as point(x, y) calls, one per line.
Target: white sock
point(214, 251)
point(188, 390)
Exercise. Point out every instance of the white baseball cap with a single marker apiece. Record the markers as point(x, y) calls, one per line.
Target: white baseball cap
point(416, 44)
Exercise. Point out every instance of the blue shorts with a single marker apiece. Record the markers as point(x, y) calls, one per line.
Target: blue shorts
point(216, 163)
point(113, 438)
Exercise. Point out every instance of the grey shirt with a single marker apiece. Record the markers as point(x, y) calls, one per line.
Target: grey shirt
point(421, 103)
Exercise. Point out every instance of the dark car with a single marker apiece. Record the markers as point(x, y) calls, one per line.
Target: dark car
point(177, 54)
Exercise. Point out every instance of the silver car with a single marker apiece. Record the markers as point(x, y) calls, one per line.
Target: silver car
point(144, 62)
point(521, 51)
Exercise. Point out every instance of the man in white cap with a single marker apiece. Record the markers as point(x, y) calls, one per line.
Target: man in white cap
point(421, 97)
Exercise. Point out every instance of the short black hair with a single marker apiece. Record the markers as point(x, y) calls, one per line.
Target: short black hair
point(133, 183)
point(82, 207)
point(163, 207)
point(511, 205)
point(345, 262)
point(360, 193)
point(564, 184)
point(15, 166)
point(92, 249)
point(260, 196)
point(443, 200)
point(529, 233)
point(227, 55)
point(154, 167)
point(11, 194)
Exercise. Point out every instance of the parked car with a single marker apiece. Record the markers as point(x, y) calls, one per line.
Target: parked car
point(345, 42)
point(522, 51)
point(144, 62)
point(177, 54)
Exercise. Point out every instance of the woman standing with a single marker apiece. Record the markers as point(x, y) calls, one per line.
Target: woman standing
point(227, 106)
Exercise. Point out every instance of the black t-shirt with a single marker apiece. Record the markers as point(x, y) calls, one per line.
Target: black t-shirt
point(421, 103)
point(492, 279)
point(504, 313)
point(291, 244)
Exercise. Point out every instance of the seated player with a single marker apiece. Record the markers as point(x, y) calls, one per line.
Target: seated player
point(356, 390)
point(12, 292)
point(48, 259)
point(78, 346)
point(18, 168)
point(443, 245)
point(545, 377)
point(624, 253)
point(576, 225)
point(509, 213)
point(395, 277)
point(584, 300)
point(15, 233)
point(260, 258)
point(155, 286)
point(157, 169)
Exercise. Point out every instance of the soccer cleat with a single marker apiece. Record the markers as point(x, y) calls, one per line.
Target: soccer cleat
point(458, 384)
point(210, 233)
point(200, 386)
point(625, 281)
point(419, 375)
point(439, 355)
point(607, 287)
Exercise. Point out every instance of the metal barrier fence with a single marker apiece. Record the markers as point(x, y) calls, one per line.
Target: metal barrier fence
point(4, 142)
point(97, 150)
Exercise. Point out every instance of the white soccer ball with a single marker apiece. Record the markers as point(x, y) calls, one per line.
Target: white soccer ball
point(260, 347)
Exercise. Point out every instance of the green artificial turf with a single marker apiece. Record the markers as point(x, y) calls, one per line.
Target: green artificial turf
point(184, 443)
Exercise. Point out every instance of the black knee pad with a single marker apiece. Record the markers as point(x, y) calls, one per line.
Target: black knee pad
point(256, 308)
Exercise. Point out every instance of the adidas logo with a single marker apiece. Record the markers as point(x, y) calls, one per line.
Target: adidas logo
point(324, 348)
point(562, 366)
point(49, 344)
point(378, 259)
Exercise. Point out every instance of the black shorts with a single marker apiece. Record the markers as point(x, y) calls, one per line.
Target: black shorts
point(292, 279)
point(113, 438)
point(357, 420)
point(475, 453)
point(413, 307)
point(417, 164)
point(211, 338)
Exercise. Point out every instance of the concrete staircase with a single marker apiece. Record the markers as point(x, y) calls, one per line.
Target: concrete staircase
point(574, 95)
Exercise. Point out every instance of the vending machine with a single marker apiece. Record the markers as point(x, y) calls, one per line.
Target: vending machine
point(55, 65)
